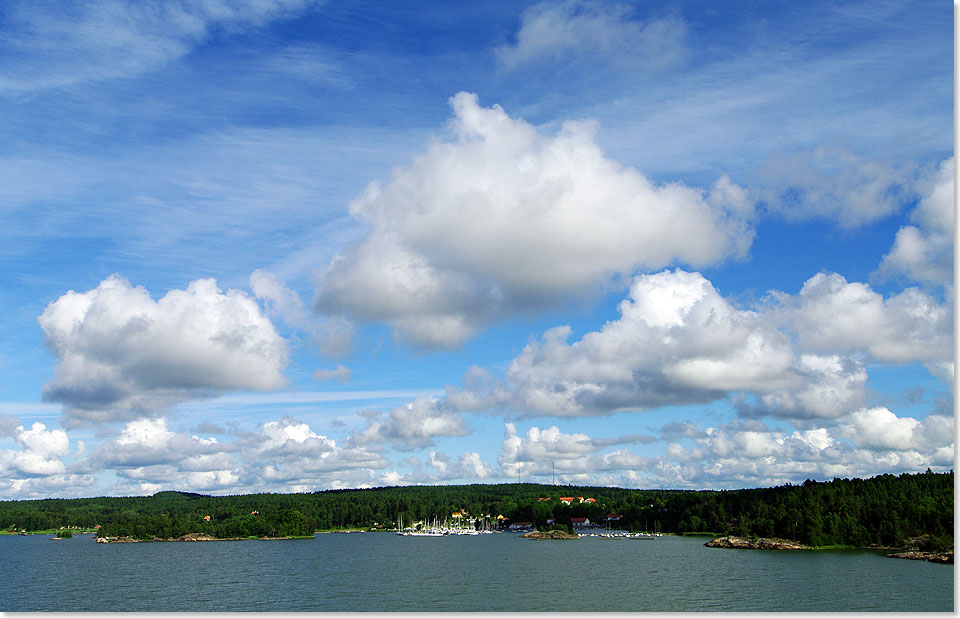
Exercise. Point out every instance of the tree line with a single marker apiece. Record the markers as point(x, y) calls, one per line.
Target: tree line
point(885, 510)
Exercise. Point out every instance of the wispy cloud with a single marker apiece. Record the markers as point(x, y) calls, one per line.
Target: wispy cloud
point(302, 397)
point(54, 45)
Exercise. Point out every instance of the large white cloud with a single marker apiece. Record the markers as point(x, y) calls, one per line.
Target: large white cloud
point(503, 218)
point(121, 354)
point(677, 341)
point(924, 251)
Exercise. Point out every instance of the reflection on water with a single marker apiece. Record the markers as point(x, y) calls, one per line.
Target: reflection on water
point(386, 572)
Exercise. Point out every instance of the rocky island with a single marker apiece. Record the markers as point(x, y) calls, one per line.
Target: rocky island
point(739, 542)
point(557, 535)
point(929, 556)
point(909, 552)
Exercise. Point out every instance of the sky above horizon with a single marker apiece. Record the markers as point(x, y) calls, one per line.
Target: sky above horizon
point(288, 246)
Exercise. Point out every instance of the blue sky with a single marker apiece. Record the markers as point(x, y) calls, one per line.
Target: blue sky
point(290, 245)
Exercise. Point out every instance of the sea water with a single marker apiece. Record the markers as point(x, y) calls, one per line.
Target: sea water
point(501, 572)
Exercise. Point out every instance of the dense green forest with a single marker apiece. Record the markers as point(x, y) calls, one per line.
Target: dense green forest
point(884, 510)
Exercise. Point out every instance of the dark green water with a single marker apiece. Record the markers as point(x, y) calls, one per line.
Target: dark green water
point(386, 572)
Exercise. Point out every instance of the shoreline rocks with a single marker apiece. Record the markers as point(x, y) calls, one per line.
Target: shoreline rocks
point(118, 539)
point(929, 556)
point(193, 537)
point(738, 542)
point(198, 536)
point(556, 535)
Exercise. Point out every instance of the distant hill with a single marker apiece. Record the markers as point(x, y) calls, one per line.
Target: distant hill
point(178, 494)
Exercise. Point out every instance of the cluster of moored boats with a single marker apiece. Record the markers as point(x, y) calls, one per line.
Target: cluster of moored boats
point(445, 529)
point(445, 532)
point(437, 529)
point(636, 536)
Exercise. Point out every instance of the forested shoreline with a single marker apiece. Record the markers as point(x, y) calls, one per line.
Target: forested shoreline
point(883, 511)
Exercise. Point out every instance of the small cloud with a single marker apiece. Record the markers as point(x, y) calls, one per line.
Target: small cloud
point(340, 374)
point(619, 440)
point(282, 301)
point(211, 428)
point(411, 426)
point(8, 425)
point(835, 185)
point(591, 35)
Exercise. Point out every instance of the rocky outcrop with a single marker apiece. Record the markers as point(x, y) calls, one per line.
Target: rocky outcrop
point(198, 536)
point(558, 535)
point(929, 556)
point(739, 542)
point(191, 537)
point(117, 539)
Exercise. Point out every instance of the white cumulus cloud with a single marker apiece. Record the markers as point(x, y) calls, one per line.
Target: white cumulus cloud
point(924, 251)
point(151, 456)
point(880, 429)
point(120, 354)
point(413, 425)
point(862, 444)
point(502, 218)
point(42, 451)
point(677, 341)
point(287, 455)
point(832, 315)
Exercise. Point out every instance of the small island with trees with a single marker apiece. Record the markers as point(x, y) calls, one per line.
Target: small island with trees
point(910, 512)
